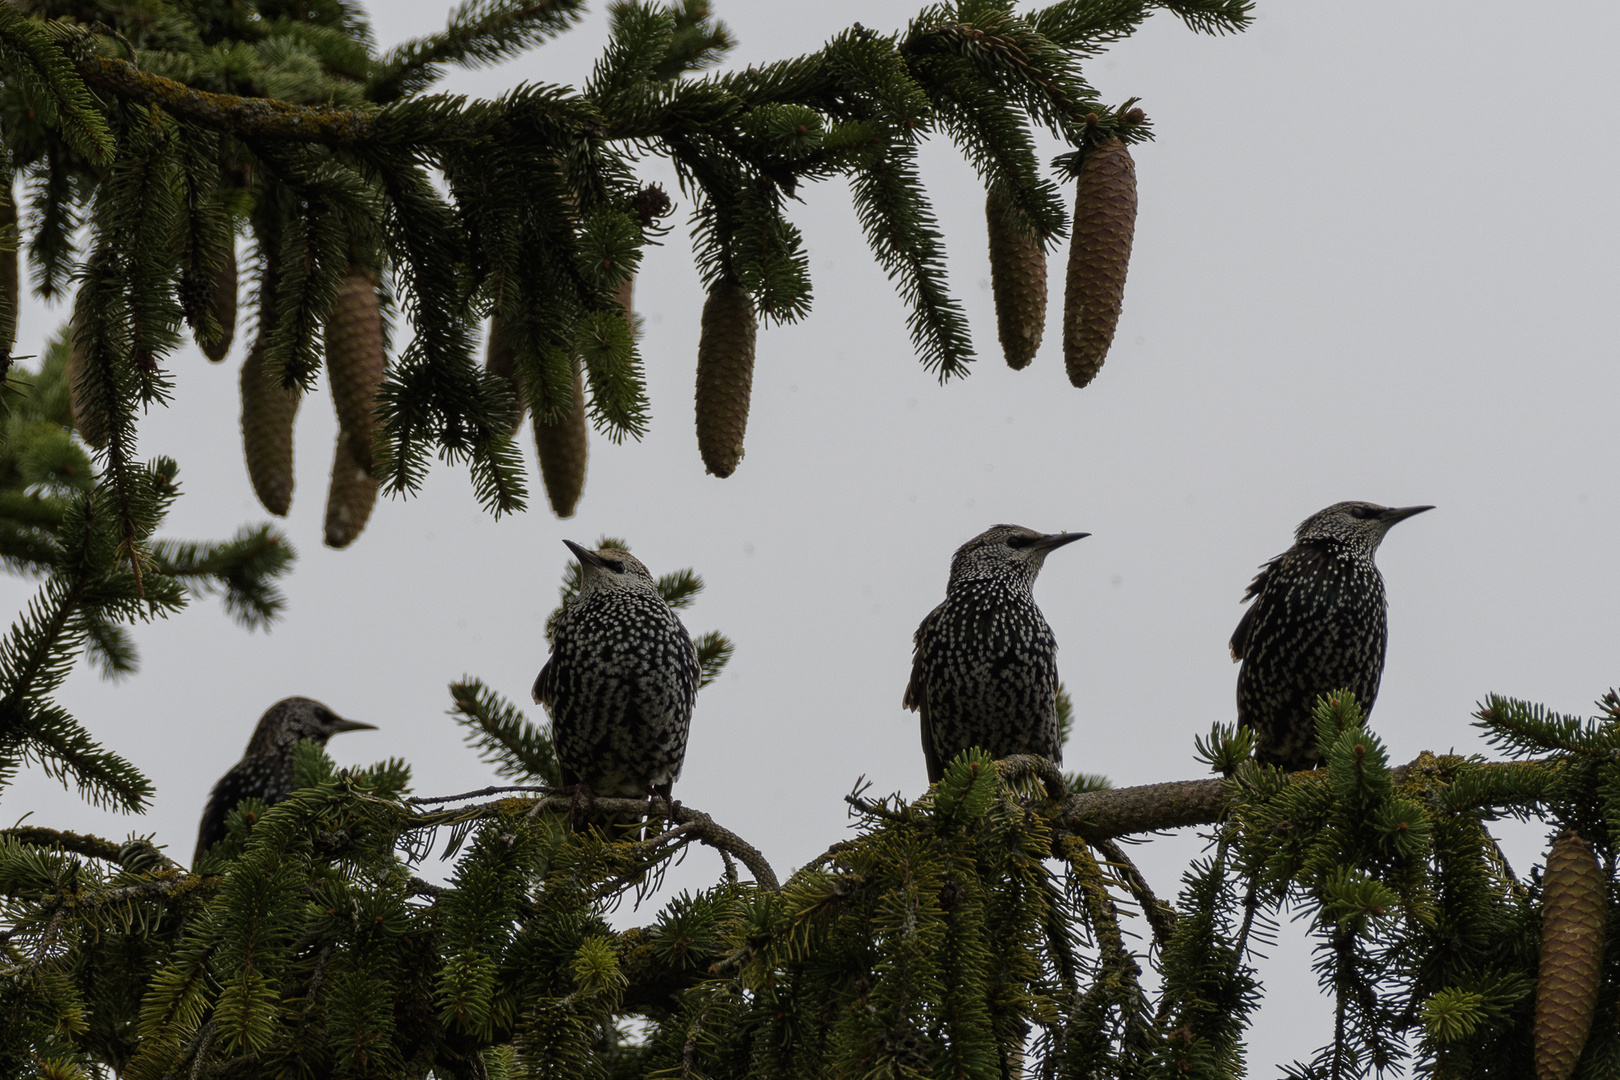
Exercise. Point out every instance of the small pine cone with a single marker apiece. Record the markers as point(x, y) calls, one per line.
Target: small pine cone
point(1574, 909)
point(1099, 256)
point(10, 281)
point(1017, 279)
point(267, 432)
point(355, 359)
point(500, 358)
point(222, 306)
point(353, 492)
point(725, 376)
point(562, 448)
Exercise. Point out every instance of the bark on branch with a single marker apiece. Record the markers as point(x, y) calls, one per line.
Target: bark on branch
point(1150, 807)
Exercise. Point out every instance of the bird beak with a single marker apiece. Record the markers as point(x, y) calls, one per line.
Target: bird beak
point(1053, 541)
point(586, 556)
point(351, 725)
point(1401, 513)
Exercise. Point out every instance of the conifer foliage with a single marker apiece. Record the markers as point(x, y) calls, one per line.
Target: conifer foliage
point(171, 128)
point(985, 929)
point(91, 545)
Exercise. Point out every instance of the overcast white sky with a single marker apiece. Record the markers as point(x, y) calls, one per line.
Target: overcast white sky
point(1376, 258)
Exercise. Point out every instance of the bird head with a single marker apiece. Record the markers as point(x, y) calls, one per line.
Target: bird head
point(1007, 550)
point(294, 718)
point(611, 570)
point(1357, 525)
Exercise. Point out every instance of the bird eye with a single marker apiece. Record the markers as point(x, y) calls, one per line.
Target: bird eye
point(1016, 541)
point(1361, 512)
point(615, 565)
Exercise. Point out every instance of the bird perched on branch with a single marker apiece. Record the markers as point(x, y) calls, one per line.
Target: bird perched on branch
point(984, 667)
point(1317, 624)
point(620, 683)
point(266, 769)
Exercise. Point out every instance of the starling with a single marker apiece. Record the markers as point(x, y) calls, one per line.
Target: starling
point(1317, 625)
point(620, 683)
point(984, 668)
point(266, 770)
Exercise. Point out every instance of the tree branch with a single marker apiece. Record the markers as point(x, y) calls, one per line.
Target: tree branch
point(79, 843)
point(690, 824)
point(1148, 808)
point(264, 117)
point(1098, 815)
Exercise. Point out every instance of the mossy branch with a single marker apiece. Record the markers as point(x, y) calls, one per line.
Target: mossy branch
point(260, 117)
point(1180, 804)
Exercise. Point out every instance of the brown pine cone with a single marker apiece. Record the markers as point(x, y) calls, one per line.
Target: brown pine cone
point(10, 280)
point(1099, 256)
point(1017, 280)
point(500, 358)
point(88, 420)
point(625, 294)
point(222, 306)
point(563, 447)
point(1574, 910)
point(268, 411)
point(355, 358)
point(353, 491)
point(725, 376)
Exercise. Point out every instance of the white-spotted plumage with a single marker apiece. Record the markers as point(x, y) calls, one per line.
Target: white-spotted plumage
point(984, 666)
point(1317, 624)
point(265, 771)
point(621, 681)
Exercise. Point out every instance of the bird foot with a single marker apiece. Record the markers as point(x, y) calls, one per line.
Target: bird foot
point(666, 819)
point(578, 804)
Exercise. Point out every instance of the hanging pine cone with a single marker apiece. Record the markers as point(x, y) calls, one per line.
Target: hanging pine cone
point(268, 411)
point(355, 359)
point(10, 281)
point(725, 376)
point(1017, 280)
point(1099, 256)
point(500, 358)
point(625, 294)
point(222, 306)
point(562, 448)
point(353, 491)
point(1574, 909)
point(88, 420)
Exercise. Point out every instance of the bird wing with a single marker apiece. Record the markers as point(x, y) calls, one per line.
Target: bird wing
point(211, 830)
point(221, 801)
point(1240, 637)
point(917, 698)
point(545, 683)
point(916, 690)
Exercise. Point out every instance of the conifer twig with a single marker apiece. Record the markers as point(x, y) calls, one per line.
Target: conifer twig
point(79, 843)
point(1160, 916)
point(429, 800)
point(691, 823)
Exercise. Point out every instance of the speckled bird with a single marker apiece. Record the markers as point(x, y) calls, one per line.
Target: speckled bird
point(1318, 624)
point(266, 769)
point(621, 681)
point(984, 666)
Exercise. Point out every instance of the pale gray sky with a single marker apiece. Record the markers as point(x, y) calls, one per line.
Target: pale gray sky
point(1376, 258)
